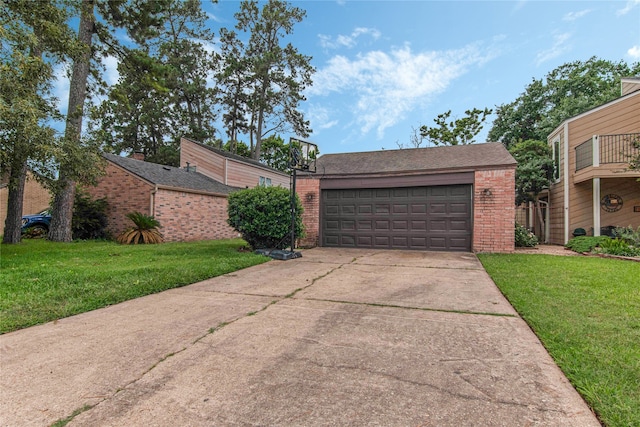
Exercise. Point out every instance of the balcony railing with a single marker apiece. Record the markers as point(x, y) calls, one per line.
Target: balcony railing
point(609, 148)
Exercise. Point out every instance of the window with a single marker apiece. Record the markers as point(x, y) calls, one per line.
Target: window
point(556, 160)
point(265, 182)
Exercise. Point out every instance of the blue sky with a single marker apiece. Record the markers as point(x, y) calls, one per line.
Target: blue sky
point(386, 67)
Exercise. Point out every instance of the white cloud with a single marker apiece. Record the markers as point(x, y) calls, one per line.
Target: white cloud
point(385, 87)
point(560, 46)
point(628, 7)
point(320, 118)
point(634, 52)
point(573, 16)
point(347, 41)
point(61, 86)
point(111, 74)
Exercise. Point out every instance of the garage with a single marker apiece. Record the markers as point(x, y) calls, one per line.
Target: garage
point(422, 218)
point(447, 198)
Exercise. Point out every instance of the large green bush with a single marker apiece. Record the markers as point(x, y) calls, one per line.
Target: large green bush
point(262, 215)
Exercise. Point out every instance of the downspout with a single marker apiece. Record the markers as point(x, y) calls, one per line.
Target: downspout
point(152, 201)
point(566, 182)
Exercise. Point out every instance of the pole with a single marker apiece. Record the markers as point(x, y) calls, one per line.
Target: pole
point(293, 212)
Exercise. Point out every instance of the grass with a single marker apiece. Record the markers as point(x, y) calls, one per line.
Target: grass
point(42, 281)
point(586, 312)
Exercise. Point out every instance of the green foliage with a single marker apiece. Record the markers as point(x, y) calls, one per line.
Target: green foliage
point(166, 155)
point(565, 92)
point(145, 230)
point(237, 147)
point(585, 244)
point(263, 216)
point(629, 235)
point(524, 238)
point(275, 153)
point(89, 217)
point(534, 170)
point(618, 247)
point(459, 131)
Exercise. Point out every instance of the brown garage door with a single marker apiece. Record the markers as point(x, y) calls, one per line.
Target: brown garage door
point(426, 218)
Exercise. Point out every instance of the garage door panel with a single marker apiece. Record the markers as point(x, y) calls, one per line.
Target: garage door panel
point(347, 225)
point(382, 225)
point(400, 225)
point(462, 208)
point(366, 209)
point(422, 218)
point(365, 225)
point(400, 209)
point(419, 225)
point(458, 225)
point(382, 209)
point(437, 208)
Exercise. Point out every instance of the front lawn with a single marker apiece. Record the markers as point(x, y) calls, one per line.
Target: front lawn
point(42, 281)
point(586, 311)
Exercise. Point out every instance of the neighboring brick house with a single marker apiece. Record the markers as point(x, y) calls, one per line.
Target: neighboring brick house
point(190, 206)
point(228, 168)
point(593, 189)
point(457, 198)
point(36, 198)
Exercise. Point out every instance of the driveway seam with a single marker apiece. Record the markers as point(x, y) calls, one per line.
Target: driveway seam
point(439, 310)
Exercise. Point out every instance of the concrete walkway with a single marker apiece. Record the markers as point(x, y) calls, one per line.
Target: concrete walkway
point(337, 337)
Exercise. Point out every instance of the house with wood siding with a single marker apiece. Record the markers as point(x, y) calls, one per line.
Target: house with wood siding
point(228, 168)
point(593, 188)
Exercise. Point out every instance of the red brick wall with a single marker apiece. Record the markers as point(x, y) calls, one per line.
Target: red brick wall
point(308, 189)
point(190, 216)
point(494, 213)
point(125, 193)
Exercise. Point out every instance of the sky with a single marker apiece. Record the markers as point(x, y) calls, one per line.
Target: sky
point(384, 68)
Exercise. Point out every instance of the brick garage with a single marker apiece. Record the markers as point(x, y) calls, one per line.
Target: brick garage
point(189, 205)
point(439, 198)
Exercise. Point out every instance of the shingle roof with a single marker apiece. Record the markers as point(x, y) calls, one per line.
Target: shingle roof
point(170, 176)
point(431, 159)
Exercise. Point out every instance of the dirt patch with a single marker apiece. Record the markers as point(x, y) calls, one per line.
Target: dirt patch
point(547, 250)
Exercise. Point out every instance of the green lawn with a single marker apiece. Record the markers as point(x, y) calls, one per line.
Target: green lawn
point(42, 281)
point(586, 311)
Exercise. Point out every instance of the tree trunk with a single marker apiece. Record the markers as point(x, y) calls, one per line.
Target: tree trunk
point(62, 209)
point(13, 223)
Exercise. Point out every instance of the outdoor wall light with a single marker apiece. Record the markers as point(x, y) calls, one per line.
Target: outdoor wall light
point(309, 197)
point(487, 192)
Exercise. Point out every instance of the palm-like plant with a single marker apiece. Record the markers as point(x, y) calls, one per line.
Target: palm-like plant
point(145, 230)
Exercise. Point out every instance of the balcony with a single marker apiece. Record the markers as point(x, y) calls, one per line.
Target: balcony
point(606, 156)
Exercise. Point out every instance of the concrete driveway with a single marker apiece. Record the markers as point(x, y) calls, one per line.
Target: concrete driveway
point(337, 337)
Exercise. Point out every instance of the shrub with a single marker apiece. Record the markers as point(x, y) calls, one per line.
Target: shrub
point(525, 238)
point(618, 247)
point(262, 215)
point(628, 235)
point(144, 231)
point(584, 244)
point(89, 217)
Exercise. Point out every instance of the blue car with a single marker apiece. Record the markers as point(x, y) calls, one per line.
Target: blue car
point(37, 224)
